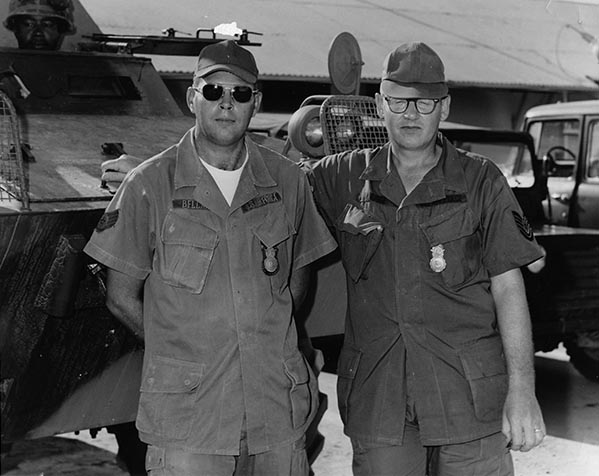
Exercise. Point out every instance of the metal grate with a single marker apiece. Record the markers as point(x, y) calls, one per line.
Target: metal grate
point(351, 122)
point(12, 177)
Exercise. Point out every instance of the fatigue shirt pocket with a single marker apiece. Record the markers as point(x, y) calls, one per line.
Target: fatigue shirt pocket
point(301, 395)
point(485, 369)
point(349, 361)
point(454, 234)
point(187, 250)
point(168, 399)
point(276, 250)
point(360, 236)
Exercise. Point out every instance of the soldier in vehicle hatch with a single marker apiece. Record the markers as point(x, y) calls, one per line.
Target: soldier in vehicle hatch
point(40, 24)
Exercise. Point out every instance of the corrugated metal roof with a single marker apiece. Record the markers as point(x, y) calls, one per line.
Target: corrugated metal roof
point(515, 43)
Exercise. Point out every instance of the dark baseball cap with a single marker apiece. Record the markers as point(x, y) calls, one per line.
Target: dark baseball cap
point(228, 56)
point(416, 67)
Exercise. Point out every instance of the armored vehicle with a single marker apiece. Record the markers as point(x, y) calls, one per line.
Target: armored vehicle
point(67, 364)
point(563, 292)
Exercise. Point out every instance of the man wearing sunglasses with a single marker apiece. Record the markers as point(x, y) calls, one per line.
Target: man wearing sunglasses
point(436, 371)
point(207, 245)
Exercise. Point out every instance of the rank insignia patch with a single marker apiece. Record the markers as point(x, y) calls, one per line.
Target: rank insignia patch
point(523, 226)
point(108, 220)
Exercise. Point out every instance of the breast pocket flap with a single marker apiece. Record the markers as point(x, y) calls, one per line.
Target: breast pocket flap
point(179, 231)
point(275, 229)
point(450, 226)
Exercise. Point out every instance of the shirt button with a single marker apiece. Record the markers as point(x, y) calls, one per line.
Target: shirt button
point(187, 382)
point(151, 380)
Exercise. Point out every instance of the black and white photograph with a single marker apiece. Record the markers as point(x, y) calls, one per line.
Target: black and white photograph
point(299, 238)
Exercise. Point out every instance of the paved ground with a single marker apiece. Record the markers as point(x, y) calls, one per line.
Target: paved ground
point(570, 405)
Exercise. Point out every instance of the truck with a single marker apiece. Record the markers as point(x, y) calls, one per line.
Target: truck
point(563, 296)
point(566, 137)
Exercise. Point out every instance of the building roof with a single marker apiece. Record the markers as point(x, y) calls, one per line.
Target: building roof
point(506, 43)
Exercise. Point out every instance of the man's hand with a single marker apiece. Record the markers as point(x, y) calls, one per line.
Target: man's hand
point(114, 170)
point(523, 424)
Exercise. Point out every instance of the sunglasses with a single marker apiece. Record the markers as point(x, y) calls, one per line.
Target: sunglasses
point(213, 92)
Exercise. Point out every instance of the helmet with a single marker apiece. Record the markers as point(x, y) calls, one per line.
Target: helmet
point(61, 10)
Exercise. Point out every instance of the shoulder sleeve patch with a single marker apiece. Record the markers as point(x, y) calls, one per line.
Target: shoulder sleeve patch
point(108, 220)
point(523, 226)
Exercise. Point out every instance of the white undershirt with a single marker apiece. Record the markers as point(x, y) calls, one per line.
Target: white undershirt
point(227, 180)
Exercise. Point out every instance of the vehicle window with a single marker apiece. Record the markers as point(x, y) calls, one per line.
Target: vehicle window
point(559, 139)
point(513, 159)
point(593, 152)
point(118, 87)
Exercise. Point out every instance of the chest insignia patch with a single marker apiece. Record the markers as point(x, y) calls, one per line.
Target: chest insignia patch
point(108, 220)
point(437, 262)
point(261, 201)
point(523, 226)
point(189, 204)
point(270, 263)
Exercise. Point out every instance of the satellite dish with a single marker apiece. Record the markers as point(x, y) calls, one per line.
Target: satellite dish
point(345, 63)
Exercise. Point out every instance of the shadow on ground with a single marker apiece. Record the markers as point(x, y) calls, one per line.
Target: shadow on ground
point(56, 456)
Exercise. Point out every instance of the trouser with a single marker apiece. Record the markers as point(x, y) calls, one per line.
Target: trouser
point(487, 456)
point(286, 460)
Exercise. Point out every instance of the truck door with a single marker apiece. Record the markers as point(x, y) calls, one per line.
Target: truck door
point(559, 141)
point(587, 205)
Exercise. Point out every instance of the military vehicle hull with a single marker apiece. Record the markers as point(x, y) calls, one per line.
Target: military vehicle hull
point(67, 363)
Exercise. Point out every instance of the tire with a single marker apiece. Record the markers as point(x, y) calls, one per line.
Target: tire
point(584, 359)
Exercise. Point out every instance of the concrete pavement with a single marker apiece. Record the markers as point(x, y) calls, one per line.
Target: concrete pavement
point(570, 406)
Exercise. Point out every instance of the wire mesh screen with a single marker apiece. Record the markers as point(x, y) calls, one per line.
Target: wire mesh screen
point(351, 122)
point(12, 177)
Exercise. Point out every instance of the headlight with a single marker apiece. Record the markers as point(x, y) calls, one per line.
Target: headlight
point(305, 131)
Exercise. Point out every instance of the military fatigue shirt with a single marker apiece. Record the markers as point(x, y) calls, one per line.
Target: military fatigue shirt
point(421, 317)
point(220, 342)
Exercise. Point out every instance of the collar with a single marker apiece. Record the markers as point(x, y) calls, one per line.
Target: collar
point(378, 168)
point(447, 177)
point(189, 171)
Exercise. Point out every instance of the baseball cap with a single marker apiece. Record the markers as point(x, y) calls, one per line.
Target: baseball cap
point(228, 56)
point(416, 67)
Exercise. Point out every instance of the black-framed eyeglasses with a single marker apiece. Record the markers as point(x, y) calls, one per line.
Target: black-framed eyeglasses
point(423, 105)
point(213, 92)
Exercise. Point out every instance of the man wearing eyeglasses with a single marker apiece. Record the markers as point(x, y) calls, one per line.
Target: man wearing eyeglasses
point(436, 371)
point(207, 245)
